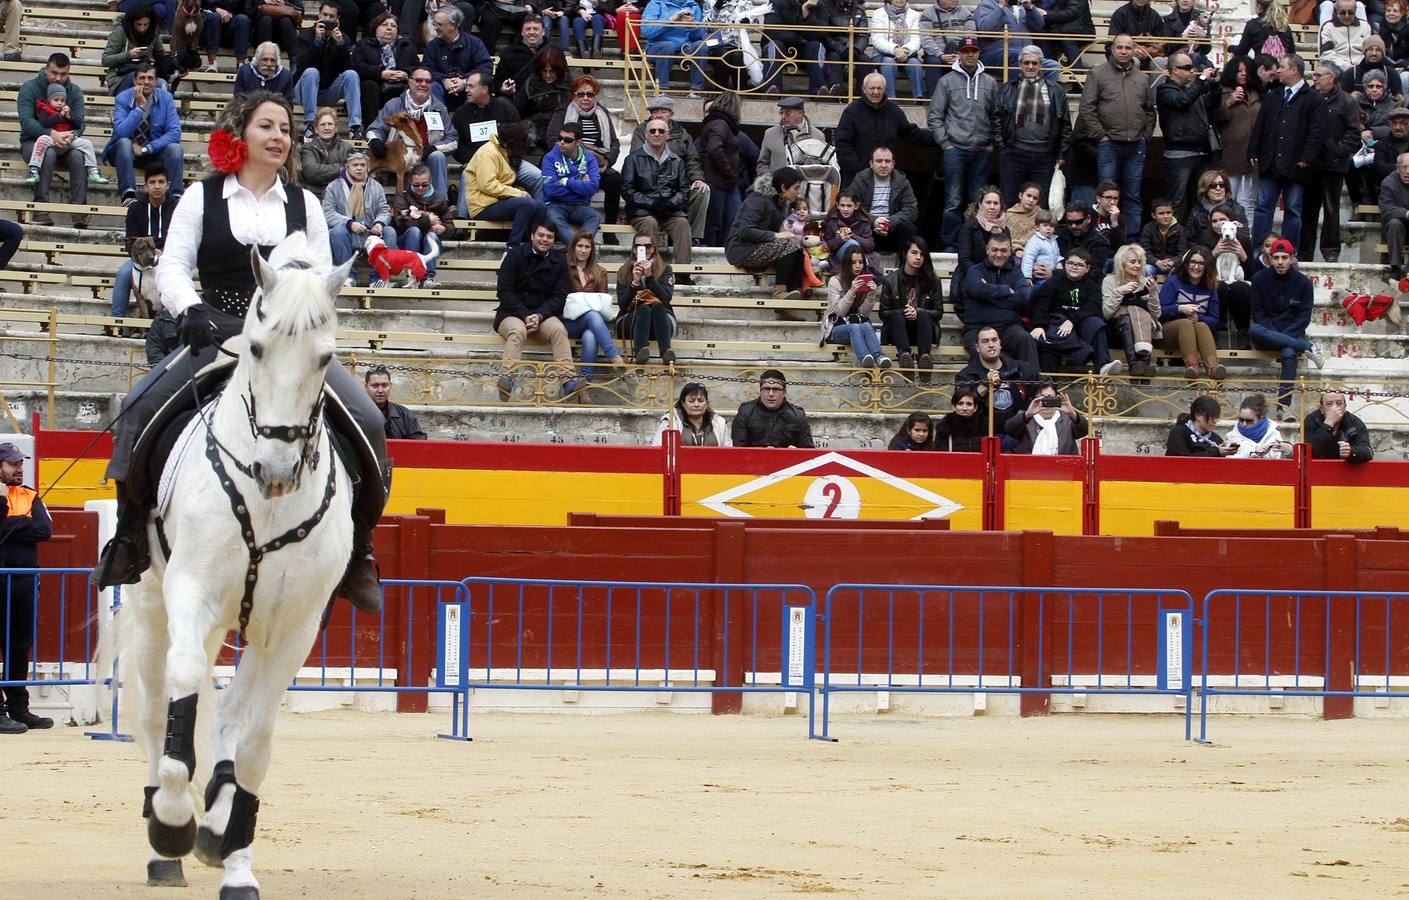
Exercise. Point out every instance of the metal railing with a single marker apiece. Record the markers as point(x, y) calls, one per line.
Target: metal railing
point(61, 653)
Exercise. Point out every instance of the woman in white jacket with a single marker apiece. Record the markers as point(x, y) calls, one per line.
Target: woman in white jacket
point(1255, 435)
point(895, 40)
point(699, 426)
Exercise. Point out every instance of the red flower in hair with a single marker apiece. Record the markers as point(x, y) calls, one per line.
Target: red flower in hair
point(227, 152)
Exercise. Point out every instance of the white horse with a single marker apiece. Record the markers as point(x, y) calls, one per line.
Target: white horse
point(259, 501)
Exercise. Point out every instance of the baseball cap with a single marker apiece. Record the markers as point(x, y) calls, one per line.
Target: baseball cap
point(661, 103)
point(10, 453)
point(969, 43)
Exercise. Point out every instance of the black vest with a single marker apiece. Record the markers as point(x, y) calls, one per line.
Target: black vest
point(227, 278)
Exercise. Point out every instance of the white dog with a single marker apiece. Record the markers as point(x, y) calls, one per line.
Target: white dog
point(1228, 266)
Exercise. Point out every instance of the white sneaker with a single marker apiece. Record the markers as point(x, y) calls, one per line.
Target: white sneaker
point(1318, 356)
point(430, 283)
point(885, 362)
point(350, 282)
point(378, 283)
point(1114, 367)
point(868, 361)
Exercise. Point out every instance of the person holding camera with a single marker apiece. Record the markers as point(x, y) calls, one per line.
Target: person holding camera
point(1049, 426)
point(325, 72)
point(851, 294)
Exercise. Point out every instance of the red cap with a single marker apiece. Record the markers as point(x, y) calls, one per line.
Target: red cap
point(1282, 246)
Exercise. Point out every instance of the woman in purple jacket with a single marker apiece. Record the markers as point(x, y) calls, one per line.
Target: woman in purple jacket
point(1189, 313)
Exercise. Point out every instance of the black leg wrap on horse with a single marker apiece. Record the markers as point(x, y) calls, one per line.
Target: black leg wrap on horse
point(147, 793)
point(224, 774)
point(181, 731)
point(239, 833)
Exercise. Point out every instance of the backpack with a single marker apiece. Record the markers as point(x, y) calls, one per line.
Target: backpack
point(817, 161)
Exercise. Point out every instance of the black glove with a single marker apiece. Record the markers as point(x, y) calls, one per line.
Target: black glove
point(377, 146)
point(195, 328)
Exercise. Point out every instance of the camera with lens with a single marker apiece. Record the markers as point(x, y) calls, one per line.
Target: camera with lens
point(1051, 401)
point(327, 24)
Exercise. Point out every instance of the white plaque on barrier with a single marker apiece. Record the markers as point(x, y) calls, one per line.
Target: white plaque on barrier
point(450, 675)
point(1173, 648)
point(797, 644)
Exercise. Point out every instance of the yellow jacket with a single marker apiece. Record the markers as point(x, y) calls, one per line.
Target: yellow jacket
point(490, 178)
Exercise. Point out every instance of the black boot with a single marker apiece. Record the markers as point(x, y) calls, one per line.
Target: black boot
point(1127, 337)
point(361, 583)
point(127, 555)
point(596, 46)
point(581, 49)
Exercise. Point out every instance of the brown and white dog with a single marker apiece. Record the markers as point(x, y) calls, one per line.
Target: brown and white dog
point(145, 296)
point(404, 150)
point(186, 27)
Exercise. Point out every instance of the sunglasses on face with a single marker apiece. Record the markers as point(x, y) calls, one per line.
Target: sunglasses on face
point(1217, 184)
point(420, 81)
point(567, 139)
point(1076, 221)
point(585, 94)
point(1183, 68)
point(655, 131)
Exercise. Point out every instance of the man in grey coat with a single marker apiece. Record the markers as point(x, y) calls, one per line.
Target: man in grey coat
point(961, 118)
point(885, 193)
point(793, 126)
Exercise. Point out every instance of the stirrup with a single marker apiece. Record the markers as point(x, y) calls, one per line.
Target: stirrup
point(123, 561)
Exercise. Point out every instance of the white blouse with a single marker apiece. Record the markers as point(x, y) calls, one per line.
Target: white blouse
point(252, 221)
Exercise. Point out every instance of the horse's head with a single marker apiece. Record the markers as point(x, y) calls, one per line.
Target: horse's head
point(289, 334)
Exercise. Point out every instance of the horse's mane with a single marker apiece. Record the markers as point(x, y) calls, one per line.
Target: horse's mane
point(300, 300)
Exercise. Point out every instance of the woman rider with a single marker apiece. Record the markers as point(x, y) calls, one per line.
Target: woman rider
point(212, 231)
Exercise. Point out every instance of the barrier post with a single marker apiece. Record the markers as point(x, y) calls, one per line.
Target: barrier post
point(413, 558)
point(670, 449)
point(1301, 488)
point(992, 484)
point(1039, 554)
point(1090, 485)
point(728, 617)
point(1341, 626)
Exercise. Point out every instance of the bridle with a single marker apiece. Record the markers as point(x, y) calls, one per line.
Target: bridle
point(307, 433)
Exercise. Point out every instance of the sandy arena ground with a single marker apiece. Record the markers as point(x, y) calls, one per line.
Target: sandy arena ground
point(660, 805)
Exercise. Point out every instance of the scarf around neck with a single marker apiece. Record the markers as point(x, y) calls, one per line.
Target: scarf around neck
point(994, 225)
point(415, 111)
point(1032, 101)
point(1257, 432)
point(356, 196)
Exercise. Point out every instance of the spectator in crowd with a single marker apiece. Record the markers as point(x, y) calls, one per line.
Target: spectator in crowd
point(593, 13)
point(886, 195)
point(163, 337)
point(136, 39)
point(533, 287)
point(516, 62)
point(1232, 263)
point(645, 286)
point(1195, 433)
point(869, 122)
point(10, 30)
point(1183, 100)
point(719, 155)
point(1022, 215)
point(432, 119)
point(10, 236)
point(1394, 212)
point(1007, 25)
point(150, 218)
point(1033, 130)
point(1342, 39)
point(656, 189)
point(265, 73)
point(278, 21)
point(356, 206)
point(1340, 140)
point(325, 72)
point(1076, 230)
point(1138, 19)
point(759, 241)
point(1012, 381)
point(599, 138)
point(1234, 119)
point(1067, 319)
point(491, 190)
point(805, 47)
point(1334, 433)
point(480, 118)
point(1352, 78)
point(401, 423)
point(1162, 238)
point(62, 137)
point(422, 217)
point(53, 114)
point(912, 304)
point(1394, 30)
point(1215, 189)
point(24, 524)
point(587, 279)
point(849, 225)
point(680, 142)
point(1285, 142)
point(227, 24)
point(671, 31)
point(545, 94)
point(961, 117)
point(1188, 23)
point(452, 55)
point(913, 434)
point(986, 217)
point(1390, 141)
point(793, 128)
point(698, 424)
point(895, 41)
point(570, 178)
point(1130, 300)
point(962, 429)
point(1282, 302)
point(1117, 106)
point(1041, 253)
point(1269, 32)
point(770, 420)
point(1256, 436)
point(1070, 17)
point(1376, 104)
point(1049, 426)
point(995, 294)
point(146, 130)
point(383, 60)
point(1189, 314)
point(323, 156)
point(851, 295)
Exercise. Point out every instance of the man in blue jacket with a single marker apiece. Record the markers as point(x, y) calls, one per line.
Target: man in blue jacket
point(571, 176)
point(1282, 300)
point(146, 129)
point(452, 55)
point(995, 295)
point(670, 29)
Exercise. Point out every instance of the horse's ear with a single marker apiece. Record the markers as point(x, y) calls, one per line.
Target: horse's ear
point(263, 272)
point(338, 274)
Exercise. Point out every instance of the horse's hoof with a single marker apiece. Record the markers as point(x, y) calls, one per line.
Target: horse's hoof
point(243, 892)
point(171, 841)
point(208, 847)
point(165, 873)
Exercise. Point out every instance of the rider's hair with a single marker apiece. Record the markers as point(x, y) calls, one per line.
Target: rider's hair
point(236, 115)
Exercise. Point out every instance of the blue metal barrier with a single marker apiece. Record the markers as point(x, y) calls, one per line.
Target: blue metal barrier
point(541, 634)
point(1281, 643)
point(977, 640)
point(63, 599)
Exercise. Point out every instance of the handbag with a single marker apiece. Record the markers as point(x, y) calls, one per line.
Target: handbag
point(580, 303)
point(1364, 156)
point(278, 11)
point(644, 297)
